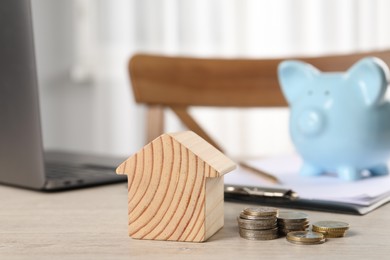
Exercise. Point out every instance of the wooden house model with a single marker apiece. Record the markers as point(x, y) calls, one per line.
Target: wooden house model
point(175, 188)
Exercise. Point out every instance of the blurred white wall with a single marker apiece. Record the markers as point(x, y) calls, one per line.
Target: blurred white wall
point(86, 104)
point(83, 46)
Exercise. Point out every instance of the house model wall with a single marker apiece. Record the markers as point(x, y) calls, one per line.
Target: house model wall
point(175, 188)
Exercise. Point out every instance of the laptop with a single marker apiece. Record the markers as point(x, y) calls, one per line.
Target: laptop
point(23, 162)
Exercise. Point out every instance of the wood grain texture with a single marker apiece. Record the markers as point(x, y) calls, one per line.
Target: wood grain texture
point(214, 206)
point(175, 189)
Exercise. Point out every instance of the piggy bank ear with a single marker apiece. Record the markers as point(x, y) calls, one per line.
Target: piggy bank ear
point(292, 77)
point(371, 77)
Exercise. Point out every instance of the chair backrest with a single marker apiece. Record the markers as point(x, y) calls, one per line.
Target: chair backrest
point(181, 82)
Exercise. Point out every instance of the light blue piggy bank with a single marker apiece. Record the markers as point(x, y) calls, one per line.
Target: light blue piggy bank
point(339, 122)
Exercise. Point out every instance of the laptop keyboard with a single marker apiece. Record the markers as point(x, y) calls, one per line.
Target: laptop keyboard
point(64, 171)
point(74, 175)
point(62, 176)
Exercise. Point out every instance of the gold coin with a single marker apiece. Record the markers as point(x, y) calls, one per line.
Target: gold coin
point(330, 231)
point(291, 216)
point(261, 211)
point(332, 234)
point(330, 225)
point(305, 236)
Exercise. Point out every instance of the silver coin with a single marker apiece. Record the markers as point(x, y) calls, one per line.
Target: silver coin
point(293, 226)
point(251, 224)
point(292, 220)
point(254, 233)
point(261, 211)
point(307, 243)
point(250, 217)
point(305, 236)
point(302, 223)
point(286, 231)
point(265, 237)
point(292, 216)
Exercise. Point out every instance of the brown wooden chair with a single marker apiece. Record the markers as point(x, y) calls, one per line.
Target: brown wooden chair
point(181, 82)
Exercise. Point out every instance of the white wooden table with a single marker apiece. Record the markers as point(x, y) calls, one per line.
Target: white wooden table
point(92, 224)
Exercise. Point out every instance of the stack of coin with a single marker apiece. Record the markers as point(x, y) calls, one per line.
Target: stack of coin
point(289, 221)
point(305, 238)
point(258, 223)
point(331, 229)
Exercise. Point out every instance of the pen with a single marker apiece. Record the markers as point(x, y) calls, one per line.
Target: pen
point(266, 176)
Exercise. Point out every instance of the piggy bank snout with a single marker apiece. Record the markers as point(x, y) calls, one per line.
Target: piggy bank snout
point(311, 122)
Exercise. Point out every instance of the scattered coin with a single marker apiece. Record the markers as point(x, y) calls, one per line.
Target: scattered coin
point(331, 229)
point(308, 243)
point(331, 225)
point(333, 235)
point(305, 238)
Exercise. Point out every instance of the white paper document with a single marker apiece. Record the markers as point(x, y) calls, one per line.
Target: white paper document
point(368, 192)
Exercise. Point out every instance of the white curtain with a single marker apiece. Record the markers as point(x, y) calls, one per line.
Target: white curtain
point(108, 32)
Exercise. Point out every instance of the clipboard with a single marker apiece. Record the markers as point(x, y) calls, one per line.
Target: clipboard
point(284, 198)
point(357, 198)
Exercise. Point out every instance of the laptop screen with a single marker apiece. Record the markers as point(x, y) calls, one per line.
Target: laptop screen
point(20, 129)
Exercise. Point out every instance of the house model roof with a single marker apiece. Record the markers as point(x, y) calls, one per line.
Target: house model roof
point(194, 144)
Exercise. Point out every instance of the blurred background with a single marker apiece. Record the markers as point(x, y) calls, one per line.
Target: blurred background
point(83, 47)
